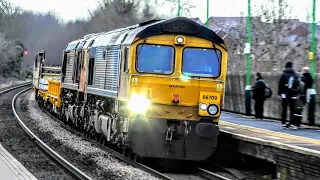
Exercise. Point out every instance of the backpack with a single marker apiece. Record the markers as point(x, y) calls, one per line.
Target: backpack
point(293, 83)
point(267, 90)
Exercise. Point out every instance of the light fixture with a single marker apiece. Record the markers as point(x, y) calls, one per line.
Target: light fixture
point(203, 106)
point(180, 39)
point(213, 109)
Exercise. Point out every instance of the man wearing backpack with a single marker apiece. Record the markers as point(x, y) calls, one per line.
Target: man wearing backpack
point(298, 107)
point(288, 91)
point(261, 91)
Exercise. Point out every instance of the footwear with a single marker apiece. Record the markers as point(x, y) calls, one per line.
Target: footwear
point(284, 126)
point(293, 127)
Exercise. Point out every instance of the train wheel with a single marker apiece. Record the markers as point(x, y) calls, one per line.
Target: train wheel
point(101, 139)
point(97, 137)
point(129, 154)
point(135, 157)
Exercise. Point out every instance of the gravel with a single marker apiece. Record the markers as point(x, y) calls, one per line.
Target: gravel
point(7, 82)
point(93, 161)
point(20, 146)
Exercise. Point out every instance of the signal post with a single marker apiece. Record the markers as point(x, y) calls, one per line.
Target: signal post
point(248, 70)
point(311, 93)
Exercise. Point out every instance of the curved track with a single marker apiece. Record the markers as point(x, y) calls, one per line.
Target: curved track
point(202, 174)
point(19, 144)
point(210, 175)
point(72, 169)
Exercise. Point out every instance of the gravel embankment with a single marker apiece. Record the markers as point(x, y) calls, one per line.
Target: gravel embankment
point(95, 162)
point(5, 83)
point(18, 143)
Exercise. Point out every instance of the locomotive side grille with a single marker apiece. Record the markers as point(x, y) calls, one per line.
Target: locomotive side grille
point(100, 69)
point(111, 82)
point(69, 69)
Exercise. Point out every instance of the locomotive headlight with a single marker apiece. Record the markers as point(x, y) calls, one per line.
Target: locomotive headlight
point(139, 103)
point(180, 39)
point(213, 109)
point(203, 106)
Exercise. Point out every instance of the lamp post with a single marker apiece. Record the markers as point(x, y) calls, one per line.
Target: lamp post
point(178, 8)
point(312, 57)
point(248, 70)
point(207, 14)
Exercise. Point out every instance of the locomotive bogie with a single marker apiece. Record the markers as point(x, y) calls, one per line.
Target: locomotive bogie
point(173, 139)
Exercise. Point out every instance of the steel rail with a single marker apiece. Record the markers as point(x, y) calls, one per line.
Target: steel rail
point(75, 171)
point(113, 152)
point(210, 175)
point(14, 87)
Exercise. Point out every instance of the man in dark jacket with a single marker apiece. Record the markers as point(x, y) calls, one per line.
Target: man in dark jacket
point(258, 96)
point(288, 93)
point(308, 82)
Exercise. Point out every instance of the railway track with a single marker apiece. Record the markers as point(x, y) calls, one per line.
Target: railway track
point(72, 169)
point(210, 175)
point(200, 174)
point(204, 174)
point(20, 146)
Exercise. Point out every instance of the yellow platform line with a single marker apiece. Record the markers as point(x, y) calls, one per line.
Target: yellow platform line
point(271, 133)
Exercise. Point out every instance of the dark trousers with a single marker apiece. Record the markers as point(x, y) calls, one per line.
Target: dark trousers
point(297, 117)
point(258, 108)
point(285, 102)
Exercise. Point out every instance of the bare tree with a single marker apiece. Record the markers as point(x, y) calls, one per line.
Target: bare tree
point(272, 38)
point(8, 13)
point(112, 14)
point(185, 7)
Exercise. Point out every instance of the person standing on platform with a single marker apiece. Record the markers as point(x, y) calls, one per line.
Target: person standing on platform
point(298, 109)
point(288, 91)
point(308, 82)
point(259, 96)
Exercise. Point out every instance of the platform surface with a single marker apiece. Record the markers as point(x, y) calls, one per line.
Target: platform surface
point(11, 169)
point(304, 139)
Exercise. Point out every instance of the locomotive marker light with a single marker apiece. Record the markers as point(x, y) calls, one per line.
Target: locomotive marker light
point(181, 40)
point(139, 103)
point(25, 52)
point(203, 106)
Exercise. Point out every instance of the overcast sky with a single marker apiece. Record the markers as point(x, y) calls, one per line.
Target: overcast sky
point(217, 7)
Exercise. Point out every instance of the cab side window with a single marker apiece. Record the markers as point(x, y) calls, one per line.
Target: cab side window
point(126, 59)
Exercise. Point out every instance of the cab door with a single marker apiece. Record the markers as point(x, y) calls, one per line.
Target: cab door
point(83, 71)
point(36, 71)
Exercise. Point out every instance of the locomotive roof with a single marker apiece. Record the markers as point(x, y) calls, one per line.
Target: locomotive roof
point(126, 35)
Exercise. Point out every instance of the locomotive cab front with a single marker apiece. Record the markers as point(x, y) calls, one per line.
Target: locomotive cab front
point(176, 90)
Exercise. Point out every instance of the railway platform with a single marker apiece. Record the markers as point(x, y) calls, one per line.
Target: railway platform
point(296, 153)
point(12, 169)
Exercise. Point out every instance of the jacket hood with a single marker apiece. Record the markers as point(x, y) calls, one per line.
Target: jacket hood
point(289, 70)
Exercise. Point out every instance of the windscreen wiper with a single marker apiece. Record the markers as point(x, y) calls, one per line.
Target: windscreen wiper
point(140, 49)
